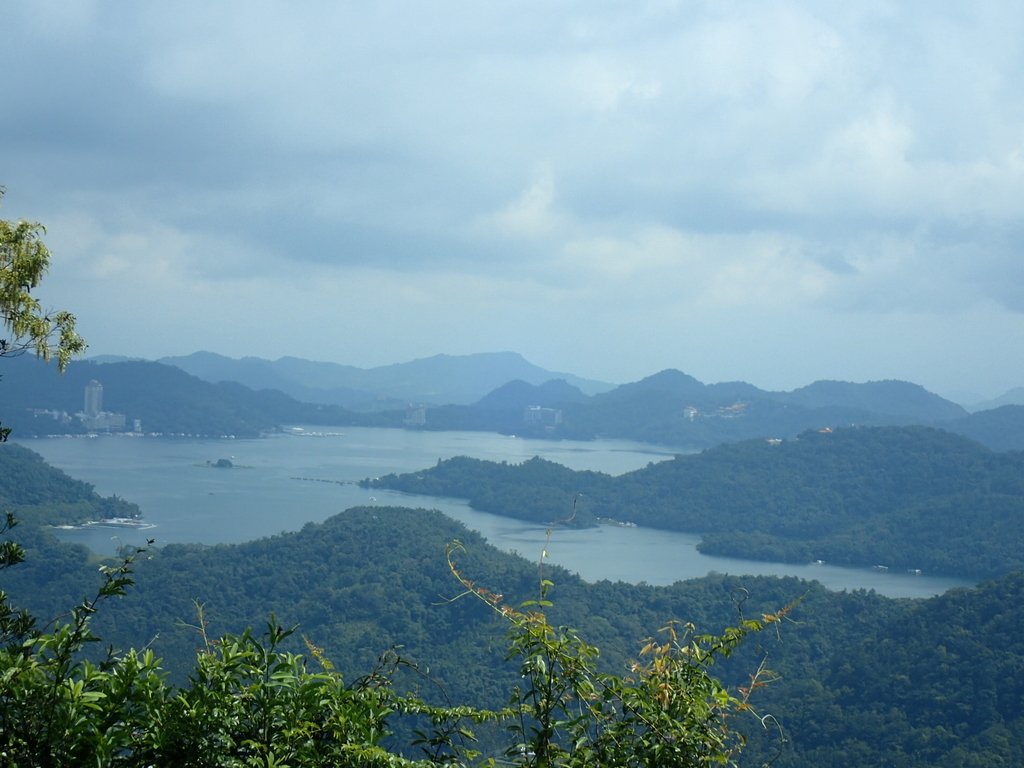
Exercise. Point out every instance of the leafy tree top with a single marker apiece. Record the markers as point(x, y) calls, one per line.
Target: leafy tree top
point(24, 260)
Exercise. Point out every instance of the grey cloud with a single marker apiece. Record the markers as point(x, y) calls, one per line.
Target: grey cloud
point(856, 158)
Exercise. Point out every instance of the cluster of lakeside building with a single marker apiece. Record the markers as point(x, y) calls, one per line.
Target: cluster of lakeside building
point(92, 416)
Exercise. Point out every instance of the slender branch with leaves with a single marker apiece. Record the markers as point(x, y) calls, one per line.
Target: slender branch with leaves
point(668, 710)
point(24, 260)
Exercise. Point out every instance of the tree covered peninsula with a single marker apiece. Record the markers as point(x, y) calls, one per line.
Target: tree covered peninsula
point(908, 498)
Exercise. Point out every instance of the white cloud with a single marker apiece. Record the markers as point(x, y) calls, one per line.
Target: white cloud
point(532, 214)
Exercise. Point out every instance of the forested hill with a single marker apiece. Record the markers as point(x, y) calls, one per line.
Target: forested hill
point(166, 400)
point(905, 498)
point(674, 409)
point(864, 680)
point(39, 494)
point(1001, 429)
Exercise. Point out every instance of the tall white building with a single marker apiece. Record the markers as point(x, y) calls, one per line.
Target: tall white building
point(93, 398)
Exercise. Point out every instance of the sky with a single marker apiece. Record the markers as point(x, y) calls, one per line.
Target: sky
point(769, 192)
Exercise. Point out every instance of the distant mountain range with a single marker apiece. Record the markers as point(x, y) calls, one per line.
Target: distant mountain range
point(673, 408)
point(437, 380)
point(486, 392)
point(1014, 396)
point(38, 401)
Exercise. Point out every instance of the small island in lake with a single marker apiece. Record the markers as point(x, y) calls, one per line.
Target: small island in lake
point(222, 464)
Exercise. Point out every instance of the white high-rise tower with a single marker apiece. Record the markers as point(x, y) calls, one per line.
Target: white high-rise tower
point(93, 398)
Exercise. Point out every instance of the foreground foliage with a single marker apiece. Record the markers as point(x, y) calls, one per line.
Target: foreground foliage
point(250, 702)
point(24, 323)
point(669, 711)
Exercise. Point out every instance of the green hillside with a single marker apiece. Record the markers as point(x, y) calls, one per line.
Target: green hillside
point(164, 398)
point(908, 498)
point(858, 679)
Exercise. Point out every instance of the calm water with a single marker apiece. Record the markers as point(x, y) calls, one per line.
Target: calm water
point(280, 483)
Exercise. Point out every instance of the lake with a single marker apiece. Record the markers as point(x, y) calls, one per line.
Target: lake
point(282, 482)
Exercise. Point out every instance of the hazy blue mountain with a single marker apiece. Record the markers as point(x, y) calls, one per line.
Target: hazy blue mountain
point(1014, 396)
point(670, 407)
point(674, 408)
point(892, 398)
point(112, 359)
point(669, 385)
point(165, 398)
point(1001, 429)
point(733, 390)
point(437, 380)
point(303, 380)
point(897, 398)
point(519, 394)
point(463, 379)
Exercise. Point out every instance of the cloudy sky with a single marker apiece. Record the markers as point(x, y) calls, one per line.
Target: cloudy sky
point(774, 192)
